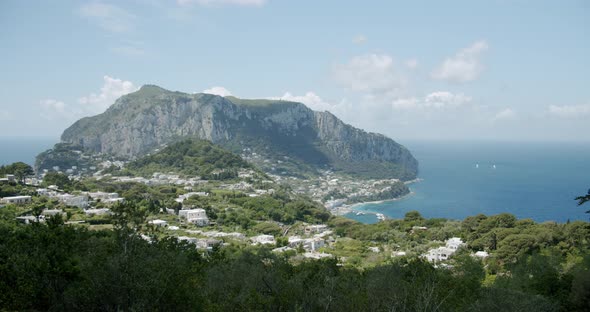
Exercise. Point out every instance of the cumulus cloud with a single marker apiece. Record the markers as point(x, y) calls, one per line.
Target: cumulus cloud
point(109, 17)
point(310, 99)
point(569, 111)
point(359, 39)
point(92, 104)
point(435, 100)
point(112, 89)
point(54, 109)
point(221, 91)
point(222, 2)
point(371, 73)
point(505, 114)
point(464, 66)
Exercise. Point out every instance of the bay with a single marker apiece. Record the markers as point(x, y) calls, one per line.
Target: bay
point(536, 180)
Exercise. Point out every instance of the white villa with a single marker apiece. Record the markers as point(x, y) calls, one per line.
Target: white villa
point(444, 253)
point(263, 240)
point(197, 216)
point(454, 243)
point(158, 222)
point(17, 200)
point(80, 201)
point(97, 212)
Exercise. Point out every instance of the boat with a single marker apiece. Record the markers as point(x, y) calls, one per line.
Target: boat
point(360, 213)
point(494, 166)
point(476, 165)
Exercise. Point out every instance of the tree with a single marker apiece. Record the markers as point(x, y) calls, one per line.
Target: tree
point(55, 178)
point(19, 169)
point(413, 216)
point(582, 199)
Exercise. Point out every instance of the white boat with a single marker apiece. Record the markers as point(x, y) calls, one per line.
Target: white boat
point(494, 166)
point(476, 165)
point(359, 213)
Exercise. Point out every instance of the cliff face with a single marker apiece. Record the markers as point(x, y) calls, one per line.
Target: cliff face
point(139, 122)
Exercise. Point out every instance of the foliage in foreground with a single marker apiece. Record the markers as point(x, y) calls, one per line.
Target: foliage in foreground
point(55, 266)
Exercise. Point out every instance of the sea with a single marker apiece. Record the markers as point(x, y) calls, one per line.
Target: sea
point(463, 178)
point(536, 180)
point(23, 149)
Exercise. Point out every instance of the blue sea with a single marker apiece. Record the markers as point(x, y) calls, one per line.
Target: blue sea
point(530, 180)
point(23, 149)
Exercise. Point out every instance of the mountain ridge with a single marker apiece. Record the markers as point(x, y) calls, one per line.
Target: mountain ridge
point(139, 122)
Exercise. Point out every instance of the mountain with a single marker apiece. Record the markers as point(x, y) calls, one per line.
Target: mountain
point(283, 137)
point(191, 157)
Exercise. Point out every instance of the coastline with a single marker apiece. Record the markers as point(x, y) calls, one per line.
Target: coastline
point(346, 209)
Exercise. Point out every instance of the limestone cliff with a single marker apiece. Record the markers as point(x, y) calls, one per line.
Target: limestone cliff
point(139, 122)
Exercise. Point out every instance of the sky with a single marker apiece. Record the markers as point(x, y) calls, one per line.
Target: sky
point(436, 70)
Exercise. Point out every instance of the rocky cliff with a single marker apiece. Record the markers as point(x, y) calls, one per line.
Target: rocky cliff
point(144, 120)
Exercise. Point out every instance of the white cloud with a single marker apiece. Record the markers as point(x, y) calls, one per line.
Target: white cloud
point(435, 100)
point(221, 91)
point(569, 111)
point(53, 105)
point(92, 104)
point(112, 89)
point(411, 63)
point(310, 99)
point(464, 66)
point(371, 73)
point(359, 39)
point(505, 114)
point(54, 109)
point(110, 17)
point(222, 2)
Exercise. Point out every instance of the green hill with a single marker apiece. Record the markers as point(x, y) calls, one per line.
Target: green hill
point(191, 157)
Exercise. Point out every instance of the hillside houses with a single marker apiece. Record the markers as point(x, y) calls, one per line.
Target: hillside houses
point(445, 252)
point(196, 216)
point(16, 200)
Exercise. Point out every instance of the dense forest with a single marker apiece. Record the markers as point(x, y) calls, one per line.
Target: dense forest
point(191, 157)
point(56, 266)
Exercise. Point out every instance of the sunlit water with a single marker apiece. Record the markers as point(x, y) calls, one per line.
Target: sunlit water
point(530, 180)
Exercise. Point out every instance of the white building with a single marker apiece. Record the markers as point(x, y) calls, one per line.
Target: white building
point(398, 254)
point(317, 255)
point(17, 200)
point(158, 222)
point(97, 212)
point(103, 195)
point(481, 254)
point(444, 253)
point(197, 216)
point(263, 240)
point(316, 228)
point(80, 201)
point(439, 254)
point(454, 243)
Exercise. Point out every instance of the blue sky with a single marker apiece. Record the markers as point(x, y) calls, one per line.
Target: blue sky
point(501, 70)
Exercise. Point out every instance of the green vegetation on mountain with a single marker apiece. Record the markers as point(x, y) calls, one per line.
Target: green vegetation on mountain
point(191, 157)
point(64, 156)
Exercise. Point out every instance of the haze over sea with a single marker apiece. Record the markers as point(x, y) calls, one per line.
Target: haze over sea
point(536, 180)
